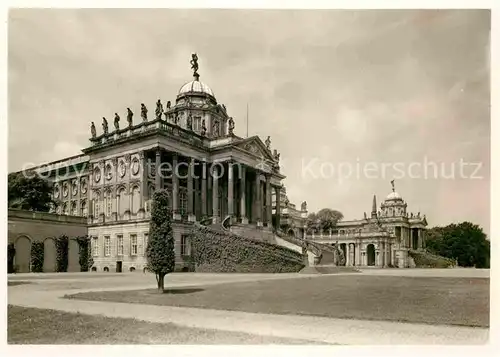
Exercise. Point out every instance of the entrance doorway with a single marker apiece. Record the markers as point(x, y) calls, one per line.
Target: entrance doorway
point(118, 267)
point(370, 255)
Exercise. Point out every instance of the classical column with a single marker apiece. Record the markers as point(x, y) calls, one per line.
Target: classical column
point(243, 207)
point(269, 204)
point(278, 208)
point(204, 190)
point(347, 255)
point(215, 193)
point(190, 208)
point(158, 178)
point(209, 191)
point(175, 187)
point(257, 204)
point(230, 190)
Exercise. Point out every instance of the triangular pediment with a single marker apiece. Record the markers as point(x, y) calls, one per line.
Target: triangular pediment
point(255, 146)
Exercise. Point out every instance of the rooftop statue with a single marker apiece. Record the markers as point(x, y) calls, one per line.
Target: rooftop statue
point(303, 206)
point(215, 128)
point(168, 105)
point(268, 143)
point(129, 117)
point(144, 112)
point(194, 65)
point(92, 130)
point(117, 121)
point(277, 156)
point(104, 125)
point(159, 109)
point(231, 126)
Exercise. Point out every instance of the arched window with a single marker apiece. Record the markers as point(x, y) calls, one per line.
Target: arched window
point(136, 201)
point(74, 210)
point(108, 202)
point(65, 208)
point(122, 201)
point(84, 208)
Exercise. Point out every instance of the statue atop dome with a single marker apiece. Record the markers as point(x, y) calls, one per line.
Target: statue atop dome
point(303, 206)
point(194, 65)
point(144, 112)
point(104, 125)
point(92, 130)
point(117, 121)
point(393, 189)
point(159, 109)
point(129, 117)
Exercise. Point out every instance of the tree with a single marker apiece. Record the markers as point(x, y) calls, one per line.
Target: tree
point(29, 192)
point(160, 250)
point(465, 242)
point(324, 220)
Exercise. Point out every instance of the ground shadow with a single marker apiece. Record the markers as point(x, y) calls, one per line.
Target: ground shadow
point(14, 283)
point(182, 291)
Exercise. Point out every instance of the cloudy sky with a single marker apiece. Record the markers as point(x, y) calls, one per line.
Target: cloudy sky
point(351, 99)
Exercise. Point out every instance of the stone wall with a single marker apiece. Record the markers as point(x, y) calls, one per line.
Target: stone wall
point(25, 227)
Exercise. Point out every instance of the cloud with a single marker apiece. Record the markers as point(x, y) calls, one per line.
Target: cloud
point(338, 85)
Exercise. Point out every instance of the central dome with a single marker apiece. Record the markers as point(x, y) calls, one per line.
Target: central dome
point(393, 196)
point(196, 87)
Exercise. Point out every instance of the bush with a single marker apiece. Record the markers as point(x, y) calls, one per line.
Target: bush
point(37, 249)
point(62, 245)
point(425, 259)
point(160, 250)
point(11, 253)
point(84, 253)
point(219, 251)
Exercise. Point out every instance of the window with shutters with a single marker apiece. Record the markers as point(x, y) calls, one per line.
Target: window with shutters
point(95, 246)
point(107, 246)
point(119, 240)
point(133, 244)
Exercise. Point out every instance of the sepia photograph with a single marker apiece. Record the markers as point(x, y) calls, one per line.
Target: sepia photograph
point(238, 176)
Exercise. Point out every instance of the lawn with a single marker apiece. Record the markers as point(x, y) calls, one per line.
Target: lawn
point(454, 301)
point(39, 326)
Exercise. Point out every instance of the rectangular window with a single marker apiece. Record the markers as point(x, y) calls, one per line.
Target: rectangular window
point(133, 244)
point(107, 246)
point(109, 206)
point(197, 124)
point(119, 239)
point(146, 238)
point(95, 246)
point(185, 246)
point(96, 205)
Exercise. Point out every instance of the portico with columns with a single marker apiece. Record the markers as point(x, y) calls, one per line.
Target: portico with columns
point(384, 239)
point(188, 148)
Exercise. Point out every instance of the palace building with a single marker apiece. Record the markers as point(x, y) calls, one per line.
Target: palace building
point(188, 148)
point(384, 239)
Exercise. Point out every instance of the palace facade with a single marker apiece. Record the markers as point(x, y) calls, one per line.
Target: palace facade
point(383, 239)
point(188, 148)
